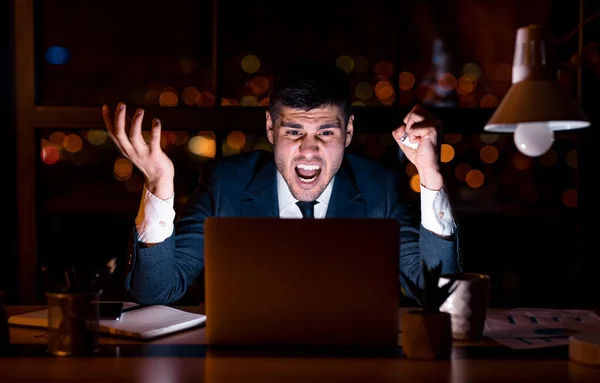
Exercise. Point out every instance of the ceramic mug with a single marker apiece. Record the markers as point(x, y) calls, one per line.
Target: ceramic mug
point(468, 305)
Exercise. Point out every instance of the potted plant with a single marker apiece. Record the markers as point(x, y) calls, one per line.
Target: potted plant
point(427, 332)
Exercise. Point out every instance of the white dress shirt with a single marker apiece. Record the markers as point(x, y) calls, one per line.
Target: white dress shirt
point(287, 202)
point(155, 219)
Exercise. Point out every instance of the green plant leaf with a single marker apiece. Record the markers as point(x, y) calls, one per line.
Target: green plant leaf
point(432, 295)
point(414, 289)
point(447, 289)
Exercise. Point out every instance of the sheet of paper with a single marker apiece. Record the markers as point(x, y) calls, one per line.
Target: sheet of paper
point(528, 343)
point(526, 328)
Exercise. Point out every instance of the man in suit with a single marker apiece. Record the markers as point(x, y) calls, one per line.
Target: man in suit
point(310, 124)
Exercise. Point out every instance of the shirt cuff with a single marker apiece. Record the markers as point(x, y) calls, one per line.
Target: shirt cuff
point(154, 222)
point(436, 212)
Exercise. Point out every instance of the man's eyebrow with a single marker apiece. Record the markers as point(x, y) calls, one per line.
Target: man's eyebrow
point(330, 125)
point(293, 125)
point(327, 125)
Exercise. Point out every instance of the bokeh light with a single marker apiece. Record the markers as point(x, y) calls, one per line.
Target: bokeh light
point(384, 70)
point(572, 158)
point(97, 136)
point(205, 99)
point(474, 178)
point(249, 100)
point(49, 155)
point(188, 65)
point(384, 90)
point(56, 55)
point(521, 161)
point(236, 139)
point(488, 101)
point(250, 64)
point(190, 95)
point(452, 138)
point(447, 82)
point(363, 90)
point(203, 145)
point(447, 153)
point(122, 168)
point(489, 138)
point(569, 198)
point(259, 85)
point(57, 139)
point(415, 183)
point(465, 85)
point(168, 97)
point(406, 81)
point(229, 102)
point(472, 71)
point(467, 101)
point(345, 63)
point(72, 143)
point(488, 154)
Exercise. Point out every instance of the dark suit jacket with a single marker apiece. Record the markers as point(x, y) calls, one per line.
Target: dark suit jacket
point(245, 185)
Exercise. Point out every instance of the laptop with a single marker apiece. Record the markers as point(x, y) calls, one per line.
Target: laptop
point(301, 282)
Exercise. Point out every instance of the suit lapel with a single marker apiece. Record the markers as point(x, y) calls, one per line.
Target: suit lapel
point(260, 197)
point(346, 200)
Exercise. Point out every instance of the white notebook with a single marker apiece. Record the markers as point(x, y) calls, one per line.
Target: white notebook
point(144, 323)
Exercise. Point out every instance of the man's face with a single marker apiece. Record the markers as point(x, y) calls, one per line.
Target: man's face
point(309, 147)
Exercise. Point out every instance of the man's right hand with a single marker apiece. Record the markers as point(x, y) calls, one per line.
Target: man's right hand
point(149, 158)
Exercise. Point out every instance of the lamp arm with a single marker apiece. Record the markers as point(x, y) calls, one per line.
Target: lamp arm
point(572, 33)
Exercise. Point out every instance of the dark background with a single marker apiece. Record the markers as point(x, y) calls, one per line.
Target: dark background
point(9, 255)
point(515, 227)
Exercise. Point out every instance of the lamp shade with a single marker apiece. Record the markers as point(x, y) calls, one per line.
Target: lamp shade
point(534, 101)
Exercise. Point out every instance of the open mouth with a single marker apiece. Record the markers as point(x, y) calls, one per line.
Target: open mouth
point(308, 173)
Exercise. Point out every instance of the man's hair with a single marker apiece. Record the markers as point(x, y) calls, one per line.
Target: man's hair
point(310, 84)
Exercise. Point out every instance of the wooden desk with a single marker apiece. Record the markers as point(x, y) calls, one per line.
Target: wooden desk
point(185, 357)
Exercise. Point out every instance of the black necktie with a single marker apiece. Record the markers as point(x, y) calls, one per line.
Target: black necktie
point(307, 208)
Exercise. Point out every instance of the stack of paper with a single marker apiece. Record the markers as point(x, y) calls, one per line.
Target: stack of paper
point(525, 328)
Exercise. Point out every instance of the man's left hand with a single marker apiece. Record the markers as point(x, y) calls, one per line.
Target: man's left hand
point(420, 138)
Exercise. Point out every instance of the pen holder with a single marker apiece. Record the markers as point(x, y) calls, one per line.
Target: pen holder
point(72, 323)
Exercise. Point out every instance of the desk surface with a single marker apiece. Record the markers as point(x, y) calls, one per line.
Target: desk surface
point(185, 357)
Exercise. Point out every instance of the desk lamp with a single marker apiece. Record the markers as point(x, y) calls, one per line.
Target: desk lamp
point(534, 106)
